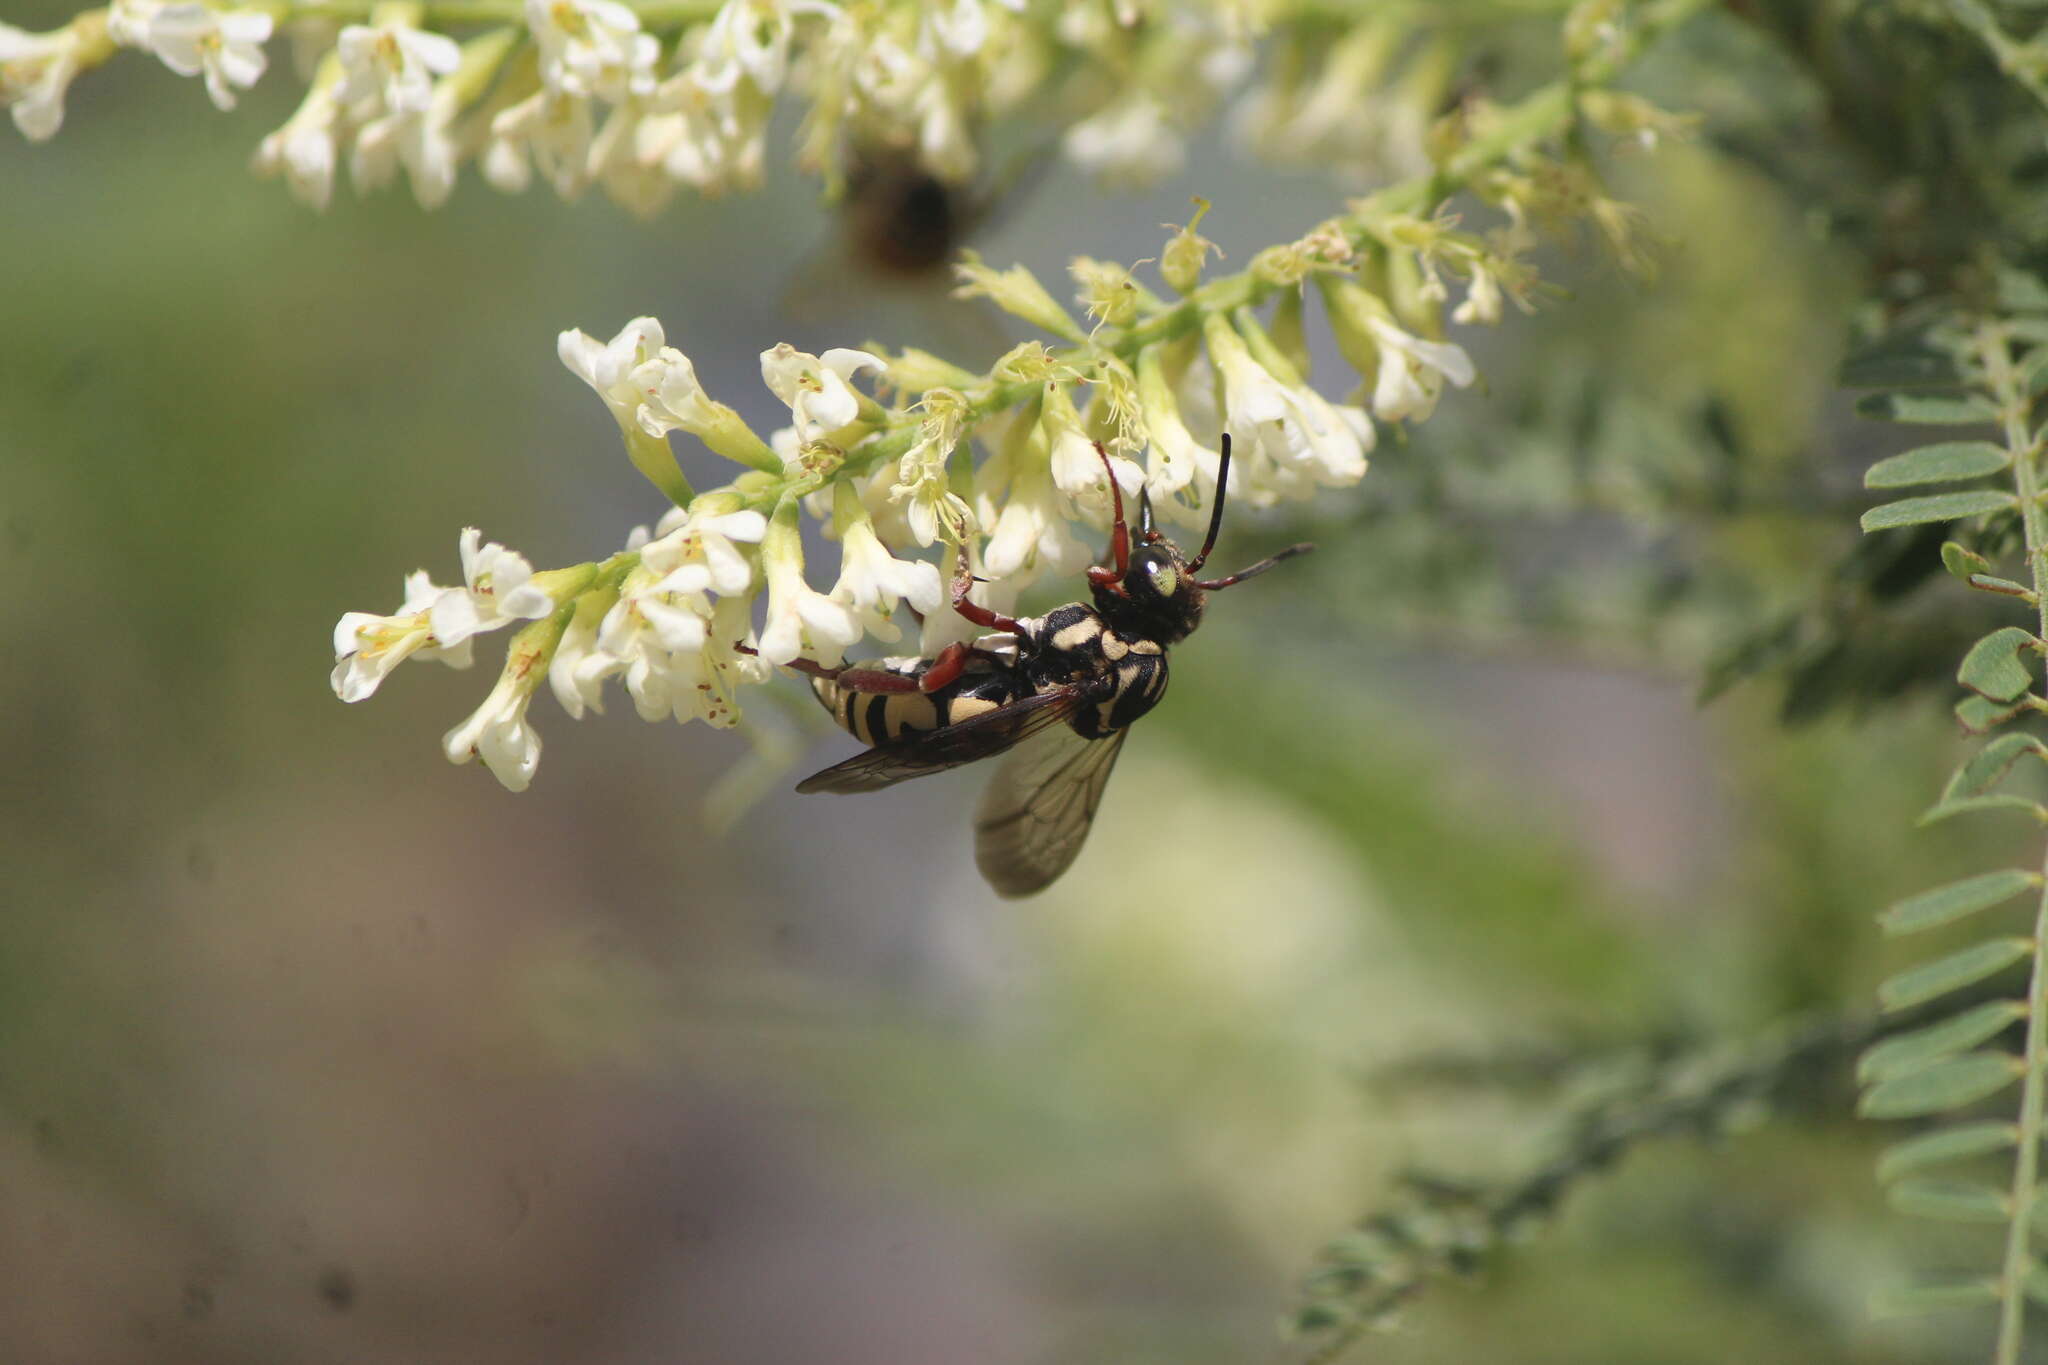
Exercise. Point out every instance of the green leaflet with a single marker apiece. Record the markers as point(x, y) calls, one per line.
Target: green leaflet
point(1944, 904)
point(1898, 361)
point(1985, 769)
point(1958, 1143)
point(1909, 1052)
point(1950, 1201)
point(1943, 462)
point(1961, 561)
point(1944, 410)
point(1916, 985)
point(1937, 507)
point(1943, 1086)
point(1979, 715)
point(1993, 667)
point(1933, 1297)
point(2036, 1283)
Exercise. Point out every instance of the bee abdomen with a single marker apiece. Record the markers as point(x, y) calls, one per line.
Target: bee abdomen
point(878, 718)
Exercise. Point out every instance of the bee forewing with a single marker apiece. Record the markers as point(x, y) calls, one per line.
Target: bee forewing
point(1036, 812)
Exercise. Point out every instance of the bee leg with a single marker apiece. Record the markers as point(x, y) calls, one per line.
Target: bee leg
point(848, 677)
point(949, 665)
point(963, 583)
point(1119, 552)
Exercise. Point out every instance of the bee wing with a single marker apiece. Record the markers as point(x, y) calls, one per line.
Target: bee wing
point(1035, 815)
point(949, 746)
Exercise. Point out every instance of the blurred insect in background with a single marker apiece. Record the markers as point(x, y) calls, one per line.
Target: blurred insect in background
point(1057, 692)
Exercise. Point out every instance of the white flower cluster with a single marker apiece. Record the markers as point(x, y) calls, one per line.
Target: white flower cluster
point(718, 594)
point(594, 92)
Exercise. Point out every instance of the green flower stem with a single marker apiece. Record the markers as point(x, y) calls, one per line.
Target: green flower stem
point(1544, 114)
point(1993, 345)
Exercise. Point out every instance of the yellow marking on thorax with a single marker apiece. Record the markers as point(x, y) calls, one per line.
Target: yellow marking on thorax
point(1076, 636)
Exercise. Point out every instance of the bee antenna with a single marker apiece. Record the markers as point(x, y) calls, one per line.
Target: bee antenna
point(1216, 514)
point(1212, 584)
point(1145, 531)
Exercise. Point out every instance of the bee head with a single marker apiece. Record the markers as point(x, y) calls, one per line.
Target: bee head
point(1149, 589)
point(1156, 597)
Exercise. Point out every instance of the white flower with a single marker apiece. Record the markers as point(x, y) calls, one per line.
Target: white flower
point(225, 45)
point(498, 733)
point(128, 21)
point(751, 38)
point(390, 69)
point(1412, 372)
point(1131, 139)
point(499, 590)
point(801, 620)
point(367, 647)
point(1289, 437)
point(555, 129)
point(1482, 298)
point(1029, 532)
point(627, 161)
point(437, 622)
point(816, 388)
point(303, 150)
point(871, 580)
point(632, 372)
point(698, 553)
point(578, 670)
point(592, 47)
point(36, 69)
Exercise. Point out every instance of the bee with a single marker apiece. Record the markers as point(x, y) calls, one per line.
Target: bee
point(1057, 693)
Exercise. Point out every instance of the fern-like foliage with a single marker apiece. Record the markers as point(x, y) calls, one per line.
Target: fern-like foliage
point(1438, 1226)
point(1949, 1073)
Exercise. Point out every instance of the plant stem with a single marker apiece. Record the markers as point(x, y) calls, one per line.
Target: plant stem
point(1994, 347)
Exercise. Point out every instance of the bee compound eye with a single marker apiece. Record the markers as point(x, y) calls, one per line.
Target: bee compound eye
point(1164, 579)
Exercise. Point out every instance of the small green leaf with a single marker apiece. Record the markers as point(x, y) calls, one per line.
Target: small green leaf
point(1952, 1201)
point(1961, 561)
point(1933, 1296)
point(1945, 462)
point(1959, 969)
point(1941, 1087)
point(2034, 370)
point(1945, 904)
point(1958, 1143)
point(1937, 507)
point(1910, 1051)
point(1993, 666)
point(2004, 587)
point(1979, 716)
point(1947, 807)
point(1929, 409)
point(1988, 766)
point(1897, 362)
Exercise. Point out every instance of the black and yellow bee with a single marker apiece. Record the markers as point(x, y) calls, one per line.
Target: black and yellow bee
point(1071, 681)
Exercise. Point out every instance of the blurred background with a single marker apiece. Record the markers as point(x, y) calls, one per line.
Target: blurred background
point(316, 1048)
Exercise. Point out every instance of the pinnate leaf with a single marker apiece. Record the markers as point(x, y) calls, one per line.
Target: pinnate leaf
point(1993, 667)
point(1934, 1296)
point(1947, 903)
point(1941, 1087)
point(1952, 1201)
point(1943, 462)
point(1957, 1143)
point(1937, 507)
point(1909, 1052)
point(1965, 967)
point(1932, 409)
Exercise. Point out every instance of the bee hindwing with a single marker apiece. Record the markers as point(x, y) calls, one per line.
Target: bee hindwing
point(1035, 814)
point(933, 751)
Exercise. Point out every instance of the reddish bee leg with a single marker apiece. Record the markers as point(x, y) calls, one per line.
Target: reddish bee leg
point(852, 679)
point(1102, 575)
point(950, 664)
point(963, 583)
